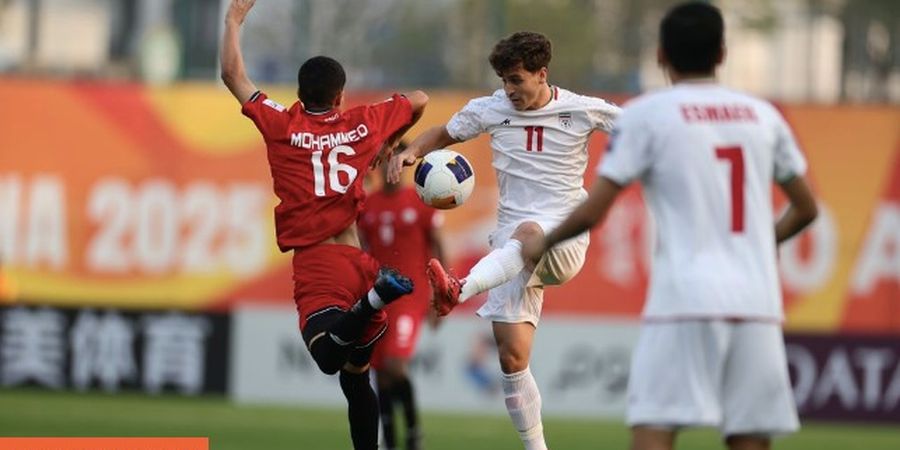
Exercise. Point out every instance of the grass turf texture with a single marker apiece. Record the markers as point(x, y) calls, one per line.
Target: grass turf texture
point(26, 412)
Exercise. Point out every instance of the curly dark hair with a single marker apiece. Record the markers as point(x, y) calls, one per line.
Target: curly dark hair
point(530, 49)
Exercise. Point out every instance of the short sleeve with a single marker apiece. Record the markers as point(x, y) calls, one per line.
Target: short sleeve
point(628, 155)
point(788, 159)
point(268, 115)
point(467, 123)
point(391, 114)
point(601, 113)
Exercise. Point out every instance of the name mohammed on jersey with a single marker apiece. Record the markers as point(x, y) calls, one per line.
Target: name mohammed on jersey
point(325, 141)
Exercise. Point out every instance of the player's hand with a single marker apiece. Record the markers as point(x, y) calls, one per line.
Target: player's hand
point(385, 153)
point(398, 162)
point(238, 10)
point(532, 250)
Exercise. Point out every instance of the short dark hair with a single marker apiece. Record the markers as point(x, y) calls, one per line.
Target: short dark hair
point(691, 36)
point(321, 80)
point(532, 50)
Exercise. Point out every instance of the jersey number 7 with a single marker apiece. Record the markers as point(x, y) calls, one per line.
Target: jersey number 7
point(734, 155)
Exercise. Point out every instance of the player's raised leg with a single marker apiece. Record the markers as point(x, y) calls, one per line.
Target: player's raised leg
point(523, 399)
point(343, 341)
point(494, 269)
point(331, 347)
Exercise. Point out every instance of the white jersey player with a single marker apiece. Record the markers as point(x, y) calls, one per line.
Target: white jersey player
point(540, 155)
point(539, 136)
point(711, 352)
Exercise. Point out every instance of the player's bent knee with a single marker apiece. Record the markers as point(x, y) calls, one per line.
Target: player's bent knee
point(327, 359)
point(527, 231)
point(328, 366)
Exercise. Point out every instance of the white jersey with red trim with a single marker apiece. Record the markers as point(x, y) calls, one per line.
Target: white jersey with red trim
point(540, 156)
point(706, 157)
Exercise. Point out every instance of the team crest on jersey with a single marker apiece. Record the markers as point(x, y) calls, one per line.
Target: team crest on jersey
point(565, 120)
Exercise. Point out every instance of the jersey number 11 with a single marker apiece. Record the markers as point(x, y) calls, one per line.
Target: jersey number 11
point(534, 140)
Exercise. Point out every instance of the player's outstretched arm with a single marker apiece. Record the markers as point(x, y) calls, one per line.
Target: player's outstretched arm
point(591, 212)
point(801, 212)
point(417, 100)
point(233, 73)
point(432, 139)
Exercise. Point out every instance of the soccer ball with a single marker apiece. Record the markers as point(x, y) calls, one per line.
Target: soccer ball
point(444, 179)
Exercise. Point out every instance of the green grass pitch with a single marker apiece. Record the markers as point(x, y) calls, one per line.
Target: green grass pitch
point(26, 412)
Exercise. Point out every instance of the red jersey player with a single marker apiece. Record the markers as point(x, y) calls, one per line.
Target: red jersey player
point(401, 232)
point(319, 156)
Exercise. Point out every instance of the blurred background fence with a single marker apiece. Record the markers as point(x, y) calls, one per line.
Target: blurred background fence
point(820, 51)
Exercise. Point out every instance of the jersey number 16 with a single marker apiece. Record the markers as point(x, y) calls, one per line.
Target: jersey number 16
point(335, 167)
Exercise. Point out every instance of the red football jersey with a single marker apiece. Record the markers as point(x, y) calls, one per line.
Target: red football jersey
point(318, 162)
point(397, 228)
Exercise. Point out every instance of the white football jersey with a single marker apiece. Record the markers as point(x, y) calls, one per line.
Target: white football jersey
point(706, 157)
point(540, 156)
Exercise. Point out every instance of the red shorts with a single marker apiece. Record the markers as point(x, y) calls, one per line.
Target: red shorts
point(328, 276)
point(405, 317)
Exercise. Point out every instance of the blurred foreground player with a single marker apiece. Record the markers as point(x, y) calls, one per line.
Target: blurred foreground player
point(402, 232)
point(319, 156)
point(711, 350)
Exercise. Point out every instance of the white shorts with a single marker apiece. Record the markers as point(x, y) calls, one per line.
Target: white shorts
point(725, 374)
point(520, 299)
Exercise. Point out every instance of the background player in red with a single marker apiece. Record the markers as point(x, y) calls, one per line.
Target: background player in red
point(319, 156)
point(401, 232)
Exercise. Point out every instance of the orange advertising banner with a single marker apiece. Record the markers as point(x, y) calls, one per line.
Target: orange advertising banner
point(140, 197)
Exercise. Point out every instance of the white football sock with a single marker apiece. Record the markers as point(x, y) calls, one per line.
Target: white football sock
point(523, 402)
point(374, 299)
point(496, 268)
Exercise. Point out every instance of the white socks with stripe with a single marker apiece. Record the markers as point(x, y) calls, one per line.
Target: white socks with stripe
point(496, 268)
point(523, 402)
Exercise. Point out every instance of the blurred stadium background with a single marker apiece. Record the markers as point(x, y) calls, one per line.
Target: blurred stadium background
point(142, 293)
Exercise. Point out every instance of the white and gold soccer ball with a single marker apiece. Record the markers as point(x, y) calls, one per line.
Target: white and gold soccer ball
point(444, 179)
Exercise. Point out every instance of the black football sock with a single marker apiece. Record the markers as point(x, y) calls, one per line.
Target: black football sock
point(362, 409)
point(386, 405)
point(403, 392)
